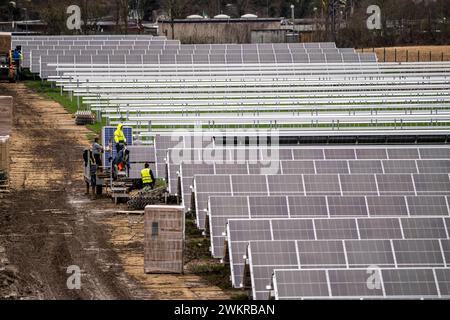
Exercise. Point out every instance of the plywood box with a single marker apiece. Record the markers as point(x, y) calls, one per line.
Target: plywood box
point(6, 115)
point(5, 42)
point(4, 153)
point(163, 239)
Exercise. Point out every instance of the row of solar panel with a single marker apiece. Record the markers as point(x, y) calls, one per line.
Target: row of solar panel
point(45, 70)
point(369, 283)
point(223, 208)
point(55, 40)
point(205, 186)
point(266, 256)
point(275, 166)
point(180, 178)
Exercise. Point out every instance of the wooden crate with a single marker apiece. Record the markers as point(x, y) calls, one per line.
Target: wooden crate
point(163, 239)
point(6, 115)
point(4, 161)
point(5, 42)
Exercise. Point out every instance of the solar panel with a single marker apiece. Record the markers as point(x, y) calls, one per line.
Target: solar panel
point(388, 228)
point(247, 184)
point(365, 166)
point(387, 206)
point(399, 166)
point(261, 207)
point(416, 282)
point(434, 153)
point(358, 184)
point(433, 166)
point(308, 154)
point(321, 254)
point(395, 184)
point(290, 284)
point(403, 153)
point(307, 206)
point(331, 166)
point(410, 253)
point(364, 253)
point(432, 183)
point(108, 139)
point(231, 168)
point(347, 206)
point(212, 184)
point(339, 153)
point(424, 228)
point(322, 184)
point(141, 154)
point(285, 184)
point(221, 209)
point(336, 229)
point(427, 205)
point(297, 167)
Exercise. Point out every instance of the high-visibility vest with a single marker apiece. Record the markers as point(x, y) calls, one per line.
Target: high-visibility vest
point(146, 176)
point(119, 136)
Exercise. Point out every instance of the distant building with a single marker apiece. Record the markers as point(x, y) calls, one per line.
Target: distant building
point(215, 30)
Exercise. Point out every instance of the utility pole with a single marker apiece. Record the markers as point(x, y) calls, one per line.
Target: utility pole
point(292, 14)
point(332, 13)
point(172, 24)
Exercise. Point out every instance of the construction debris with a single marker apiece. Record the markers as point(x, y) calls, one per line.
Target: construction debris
point(84, 117)
point(147, 196)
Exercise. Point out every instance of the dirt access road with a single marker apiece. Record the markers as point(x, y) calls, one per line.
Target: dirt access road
point(47, 223)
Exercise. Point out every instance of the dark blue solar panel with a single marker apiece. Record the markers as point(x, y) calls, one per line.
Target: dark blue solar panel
point(108, 136)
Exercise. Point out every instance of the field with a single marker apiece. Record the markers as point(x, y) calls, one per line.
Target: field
point(411, 53)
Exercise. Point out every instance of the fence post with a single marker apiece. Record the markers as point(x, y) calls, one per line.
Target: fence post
point(384, 54)
point(395, 54)
point(442, 56)
point(430, 56)
point(407, 55)
point(418, 56)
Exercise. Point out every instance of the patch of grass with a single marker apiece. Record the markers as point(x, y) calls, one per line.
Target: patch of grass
point(97, 126)
point(239, 296)
point(214, 274)
point(197, 248)
point(160, 183)
point(191, 229)
point(45, 89)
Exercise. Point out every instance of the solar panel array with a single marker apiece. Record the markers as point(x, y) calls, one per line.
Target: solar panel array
point(331, 160)
point(382, 207)
point(329, 219)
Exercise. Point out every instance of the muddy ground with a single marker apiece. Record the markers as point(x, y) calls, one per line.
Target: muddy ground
point(47, 223)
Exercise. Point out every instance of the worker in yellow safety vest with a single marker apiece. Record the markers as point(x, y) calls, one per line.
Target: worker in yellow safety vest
point(148, 180)
point(119, 138)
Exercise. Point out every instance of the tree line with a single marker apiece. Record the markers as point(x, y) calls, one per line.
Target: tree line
point(343, 21)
